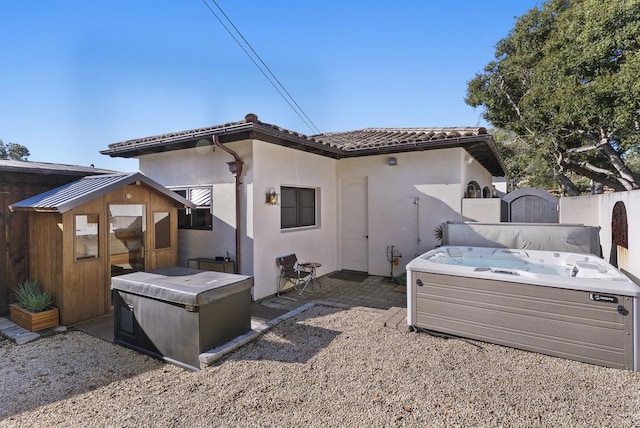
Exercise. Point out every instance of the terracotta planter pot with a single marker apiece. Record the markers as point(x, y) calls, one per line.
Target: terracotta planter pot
point(34, 321)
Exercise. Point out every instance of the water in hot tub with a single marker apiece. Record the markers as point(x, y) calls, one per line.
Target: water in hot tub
point(504, 263)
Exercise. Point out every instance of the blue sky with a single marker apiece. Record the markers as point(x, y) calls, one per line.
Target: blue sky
point(77, 75)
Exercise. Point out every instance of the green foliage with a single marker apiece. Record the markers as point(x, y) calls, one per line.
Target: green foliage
point(564, 82)
point(13, 151)
point(33, 298)
point(438, 232)
point(525, 168)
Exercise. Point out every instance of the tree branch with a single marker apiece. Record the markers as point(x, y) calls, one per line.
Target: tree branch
point(593, 172)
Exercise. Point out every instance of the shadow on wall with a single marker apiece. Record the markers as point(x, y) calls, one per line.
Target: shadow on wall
point(432, 212)
point(216, 242)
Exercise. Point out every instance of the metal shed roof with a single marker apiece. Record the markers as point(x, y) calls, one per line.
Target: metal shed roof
point(46, 168)
point(72, 195)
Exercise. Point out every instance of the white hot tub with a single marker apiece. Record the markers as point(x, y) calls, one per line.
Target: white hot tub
point(568, 305)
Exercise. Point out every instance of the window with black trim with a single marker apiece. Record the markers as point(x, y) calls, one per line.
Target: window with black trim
point(297, 207)
point(200, 217)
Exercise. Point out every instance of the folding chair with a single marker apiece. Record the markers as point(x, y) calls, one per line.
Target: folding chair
point(290, 271)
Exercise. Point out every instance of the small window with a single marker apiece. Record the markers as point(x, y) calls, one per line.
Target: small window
point(486, 192)
point(298, 207)
point(200, 217)
point(162, 229)
point(86, 236)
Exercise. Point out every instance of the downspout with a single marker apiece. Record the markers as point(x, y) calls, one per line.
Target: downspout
point(236, 169)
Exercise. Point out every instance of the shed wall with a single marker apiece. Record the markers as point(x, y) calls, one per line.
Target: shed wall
point(14, 227)
point(82, 287)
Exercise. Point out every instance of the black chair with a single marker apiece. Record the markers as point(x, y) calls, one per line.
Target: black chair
point(290, 271)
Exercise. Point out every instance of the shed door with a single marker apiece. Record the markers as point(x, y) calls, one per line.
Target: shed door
point(355, 235)
point(127, 247)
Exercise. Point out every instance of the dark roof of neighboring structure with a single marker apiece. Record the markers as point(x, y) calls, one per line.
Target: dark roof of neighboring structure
point(72, 195)
point(49, 168)
point(337, 145)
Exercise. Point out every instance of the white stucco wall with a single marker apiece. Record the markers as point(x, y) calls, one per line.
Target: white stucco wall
point(204, 166)
point(471, 170)
point(597, 210)
point(437, 178)
point(486, 210)
point(278, 166)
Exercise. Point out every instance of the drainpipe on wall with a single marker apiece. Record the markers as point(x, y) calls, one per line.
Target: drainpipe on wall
point(236, 169)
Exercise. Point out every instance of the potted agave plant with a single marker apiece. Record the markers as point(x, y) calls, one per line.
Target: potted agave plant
point(33, 310)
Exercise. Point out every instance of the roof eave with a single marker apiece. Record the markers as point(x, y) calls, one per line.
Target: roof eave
point(227, 134)
point(496, 168)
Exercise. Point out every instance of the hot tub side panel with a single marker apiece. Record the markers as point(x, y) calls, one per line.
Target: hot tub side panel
point(553, 321)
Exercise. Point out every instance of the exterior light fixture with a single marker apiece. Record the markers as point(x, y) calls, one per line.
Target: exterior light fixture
point(392, 161)
point(272, 197)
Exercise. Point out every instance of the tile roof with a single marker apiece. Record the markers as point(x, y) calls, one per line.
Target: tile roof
point(71, 195)
point(337, 145)
point(371, 138)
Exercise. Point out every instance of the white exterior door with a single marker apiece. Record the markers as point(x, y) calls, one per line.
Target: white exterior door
point(355, 234)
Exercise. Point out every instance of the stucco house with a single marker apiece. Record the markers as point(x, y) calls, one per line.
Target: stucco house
point(339, 199)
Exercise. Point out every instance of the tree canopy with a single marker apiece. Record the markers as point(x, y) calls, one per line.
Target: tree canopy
point(13, 151)
point(565, 83)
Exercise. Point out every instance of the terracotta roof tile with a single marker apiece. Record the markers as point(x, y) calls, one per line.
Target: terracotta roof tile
point(390, 137)
point(334, 144)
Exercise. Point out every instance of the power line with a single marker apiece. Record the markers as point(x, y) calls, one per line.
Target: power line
point(271, 77)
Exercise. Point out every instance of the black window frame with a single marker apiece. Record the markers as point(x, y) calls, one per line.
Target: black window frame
point(298, 207)
point(199, 218)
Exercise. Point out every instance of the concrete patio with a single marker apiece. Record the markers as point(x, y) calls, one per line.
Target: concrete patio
point(374, 292)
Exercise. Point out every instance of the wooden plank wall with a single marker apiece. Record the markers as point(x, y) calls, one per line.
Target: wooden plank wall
point(14, 227)
point(46, 251)
point(85, 284)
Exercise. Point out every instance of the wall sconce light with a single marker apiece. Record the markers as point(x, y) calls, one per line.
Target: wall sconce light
point(272, 197)
point(392, 161)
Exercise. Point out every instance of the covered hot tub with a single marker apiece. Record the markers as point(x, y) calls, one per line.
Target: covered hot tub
point(177, 313)
point(568, 305)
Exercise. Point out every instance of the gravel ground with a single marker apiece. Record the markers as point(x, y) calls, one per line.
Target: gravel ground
point(325, 367)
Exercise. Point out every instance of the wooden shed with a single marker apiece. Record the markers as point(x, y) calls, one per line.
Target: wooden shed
point(20, 180)
point(82, 233)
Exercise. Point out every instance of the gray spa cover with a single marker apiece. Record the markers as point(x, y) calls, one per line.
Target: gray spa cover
point(182, 285)
point(571, 238)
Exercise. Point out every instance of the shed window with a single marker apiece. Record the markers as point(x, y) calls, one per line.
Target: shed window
point(86, 236)
point(162, 229)
point(298, 207)
point(200, 217)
